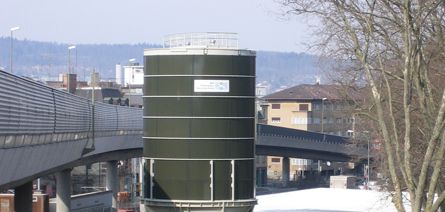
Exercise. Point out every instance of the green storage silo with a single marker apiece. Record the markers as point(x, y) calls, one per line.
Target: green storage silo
point(199, 124)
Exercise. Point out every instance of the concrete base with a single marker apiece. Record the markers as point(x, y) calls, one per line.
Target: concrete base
point(235, 206)
point(23, 197)
point(203, 209)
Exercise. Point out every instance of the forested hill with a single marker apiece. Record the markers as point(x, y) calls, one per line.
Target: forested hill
point(46, 60)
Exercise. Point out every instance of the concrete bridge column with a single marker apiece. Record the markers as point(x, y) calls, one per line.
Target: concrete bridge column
point(285, 171)
point(63, 190)
point(261, 176)
point(113, 182)
point(23, 197)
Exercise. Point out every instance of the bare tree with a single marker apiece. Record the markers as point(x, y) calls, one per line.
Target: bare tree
point(395, 48)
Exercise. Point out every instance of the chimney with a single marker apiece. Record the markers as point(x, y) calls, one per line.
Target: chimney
point(70, 82)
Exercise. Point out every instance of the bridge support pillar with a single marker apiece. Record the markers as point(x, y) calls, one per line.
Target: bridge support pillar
point(23, 197)
point(285, 171)
point(261, 176)
point(113, 182)
point(63, 190)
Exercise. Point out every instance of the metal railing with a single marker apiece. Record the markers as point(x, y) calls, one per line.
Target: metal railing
point(32, 113)
point(224, 40)
point(263, 130)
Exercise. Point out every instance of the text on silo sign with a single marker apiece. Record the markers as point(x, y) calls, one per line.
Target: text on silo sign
point(222, 86)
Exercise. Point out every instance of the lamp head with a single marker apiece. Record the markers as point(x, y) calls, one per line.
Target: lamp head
point(15, 29)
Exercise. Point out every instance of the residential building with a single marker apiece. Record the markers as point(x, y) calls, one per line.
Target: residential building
point(317, 108)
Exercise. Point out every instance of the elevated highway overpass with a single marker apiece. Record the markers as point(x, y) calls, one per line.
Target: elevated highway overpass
point(286, 142)
point(25, 163)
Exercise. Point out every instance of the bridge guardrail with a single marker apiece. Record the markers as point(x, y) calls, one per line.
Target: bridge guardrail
point(286, 138)
point(263, 129)
point(32, 113)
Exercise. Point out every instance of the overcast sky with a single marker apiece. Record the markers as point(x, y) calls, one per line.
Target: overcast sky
point(257, 22)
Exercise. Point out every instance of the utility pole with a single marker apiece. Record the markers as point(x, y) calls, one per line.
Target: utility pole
point(12, 47)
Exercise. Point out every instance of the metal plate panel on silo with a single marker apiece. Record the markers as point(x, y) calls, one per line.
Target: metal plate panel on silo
point(199, 120)
point(215, 148)
point(181, 180)
point(222, 180)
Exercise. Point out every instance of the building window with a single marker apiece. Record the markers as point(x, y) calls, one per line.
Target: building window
point(303, 107)
point(316, 107)
point(316, 121)
point(276, 120)
point(276, 106)
point(276, 160)
point(298, 120)
point(327, 107)
point(339, 106)
point(350, 120)
point(298, 161)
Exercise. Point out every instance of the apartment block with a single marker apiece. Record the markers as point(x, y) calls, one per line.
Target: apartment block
point(317, 108)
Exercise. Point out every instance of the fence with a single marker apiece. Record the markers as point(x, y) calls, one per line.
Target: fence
point(32, 113)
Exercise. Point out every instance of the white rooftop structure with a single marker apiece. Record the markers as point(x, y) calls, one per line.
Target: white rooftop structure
point(131, 74)
point(220, 40)
point(200, 43)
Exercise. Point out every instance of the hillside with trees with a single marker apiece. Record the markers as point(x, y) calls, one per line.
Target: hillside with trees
point(45, 60)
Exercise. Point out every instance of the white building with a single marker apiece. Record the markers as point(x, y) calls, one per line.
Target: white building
point(132, 74)
point(119, 77)
point(262, 89)
point(95, 79)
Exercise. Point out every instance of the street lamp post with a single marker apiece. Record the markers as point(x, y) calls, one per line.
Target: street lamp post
point(322, 128)
point(75, 67)
point(12, 47)
point(368, 170)
point(69, 87)
point(130, 62)
point(322, 114)
point(69, 57)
